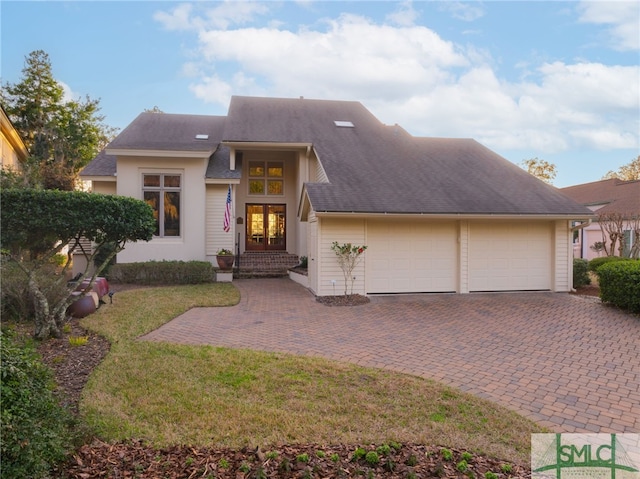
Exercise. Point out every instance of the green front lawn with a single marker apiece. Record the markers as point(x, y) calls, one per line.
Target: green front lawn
point(202, 395)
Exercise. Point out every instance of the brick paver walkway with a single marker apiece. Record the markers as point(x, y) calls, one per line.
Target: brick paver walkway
point(566, 362)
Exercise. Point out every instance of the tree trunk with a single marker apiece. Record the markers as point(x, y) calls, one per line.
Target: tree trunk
point(45, 322)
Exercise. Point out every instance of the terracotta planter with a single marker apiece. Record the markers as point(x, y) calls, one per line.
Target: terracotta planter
point(225, 261)
point(83, 306)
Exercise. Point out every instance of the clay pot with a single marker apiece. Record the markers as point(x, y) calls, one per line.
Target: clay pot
point(225, 261)
point(84, 306)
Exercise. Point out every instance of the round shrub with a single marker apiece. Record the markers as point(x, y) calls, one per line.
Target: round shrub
point(36, 432)
point(620, 284)
point(580, 273)
point(595, 263)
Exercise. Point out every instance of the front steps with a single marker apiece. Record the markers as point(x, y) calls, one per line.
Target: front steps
point(264, 264)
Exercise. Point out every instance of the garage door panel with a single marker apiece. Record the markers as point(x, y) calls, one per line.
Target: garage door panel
point(509, 257)
point(419, 257)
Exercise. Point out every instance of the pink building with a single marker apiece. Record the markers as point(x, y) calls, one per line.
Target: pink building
point(606, 196)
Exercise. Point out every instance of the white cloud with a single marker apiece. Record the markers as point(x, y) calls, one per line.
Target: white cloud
point(222, 16)
point(410, 75)
point(67, 93)
point(178, 19)
point(405, 16)
point(623, 16)
point(466, 11)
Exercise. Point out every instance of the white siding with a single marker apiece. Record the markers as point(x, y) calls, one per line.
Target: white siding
point(316, 172)
point(563, 257)
point(312, 259)
point(216, 237)
point(343, 231)
point(463, 241)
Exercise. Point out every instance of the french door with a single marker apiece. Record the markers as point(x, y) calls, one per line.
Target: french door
point(266, 227)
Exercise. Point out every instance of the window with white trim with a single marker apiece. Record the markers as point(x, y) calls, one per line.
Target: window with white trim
point(266, 178)
point(162, 192)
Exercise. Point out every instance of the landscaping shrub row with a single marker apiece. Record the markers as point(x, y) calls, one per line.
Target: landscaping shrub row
point(580, 273)
point(620, 284)
point(36, 432)
point(162, 272)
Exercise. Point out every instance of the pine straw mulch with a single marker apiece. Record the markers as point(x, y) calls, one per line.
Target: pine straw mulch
point(72, 365)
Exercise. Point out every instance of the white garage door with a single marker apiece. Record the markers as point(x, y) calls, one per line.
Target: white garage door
point(411, 257)
point(509, 257)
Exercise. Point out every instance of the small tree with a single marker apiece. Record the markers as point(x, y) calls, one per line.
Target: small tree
point(37, 224)
point(630, 171)
point(62, 135)
point(541, 169)
point(612, 227)
point(348, 258)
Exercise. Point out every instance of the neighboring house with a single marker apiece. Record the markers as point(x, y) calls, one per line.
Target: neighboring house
point(604, 197)
point(437, 215)
point(14, 151)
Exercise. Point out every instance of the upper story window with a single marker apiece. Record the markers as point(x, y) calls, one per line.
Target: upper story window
point(162, 192)
point(266, 178)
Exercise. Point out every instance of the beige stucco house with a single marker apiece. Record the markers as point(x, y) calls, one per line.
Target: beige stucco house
point(14, 151)
point(437, 215)
point(603, 197)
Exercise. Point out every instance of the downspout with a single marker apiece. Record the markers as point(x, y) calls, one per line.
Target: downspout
point(578, 227)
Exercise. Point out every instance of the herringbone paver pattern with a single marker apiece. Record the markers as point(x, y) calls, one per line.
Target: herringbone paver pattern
point(569, 363)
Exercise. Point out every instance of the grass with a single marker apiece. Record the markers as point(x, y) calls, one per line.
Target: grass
point(202, 395)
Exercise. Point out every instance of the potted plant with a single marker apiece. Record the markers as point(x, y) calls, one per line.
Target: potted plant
point(225, 258)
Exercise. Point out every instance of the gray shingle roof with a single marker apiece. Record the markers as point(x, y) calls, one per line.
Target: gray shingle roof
point(372, 167)
point(218, 167)
point(163, 131)
point(101, 165)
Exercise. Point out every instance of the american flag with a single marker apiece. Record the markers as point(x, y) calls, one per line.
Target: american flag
point(227, 212)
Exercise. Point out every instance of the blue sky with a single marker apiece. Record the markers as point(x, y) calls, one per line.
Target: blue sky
point(555, 80)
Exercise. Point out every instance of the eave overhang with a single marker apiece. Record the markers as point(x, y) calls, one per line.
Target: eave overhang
point(198, 154)
point(265, 145)
point(221, 181)
point(457, 216)
point(105, 178)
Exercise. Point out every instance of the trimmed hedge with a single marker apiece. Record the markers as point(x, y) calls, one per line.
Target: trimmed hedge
point(595, 263)
point(162, 272)
point(36, 432)
point(620, 284)
point(580, 273)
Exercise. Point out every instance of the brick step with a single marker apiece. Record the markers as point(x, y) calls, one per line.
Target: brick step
point(265, 264)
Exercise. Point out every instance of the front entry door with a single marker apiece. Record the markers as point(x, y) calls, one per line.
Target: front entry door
point(266, 227)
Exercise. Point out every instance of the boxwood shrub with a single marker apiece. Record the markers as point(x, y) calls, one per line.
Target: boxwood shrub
point(580, 273)
point(595, 263)
point(620, 284)
point(162, 272)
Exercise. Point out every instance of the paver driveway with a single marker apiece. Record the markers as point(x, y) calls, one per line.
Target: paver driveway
point(566, 362)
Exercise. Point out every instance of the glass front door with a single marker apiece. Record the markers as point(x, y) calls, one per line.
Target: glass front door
point(266, 227)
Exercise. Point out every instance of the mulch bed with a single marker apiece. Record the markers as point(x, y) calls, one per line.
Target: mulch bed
point(589, 290)
point(135, 459)
point(72, 366)
point(348, 300)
